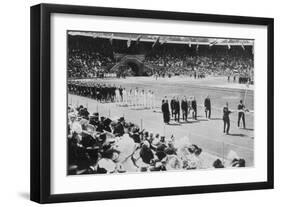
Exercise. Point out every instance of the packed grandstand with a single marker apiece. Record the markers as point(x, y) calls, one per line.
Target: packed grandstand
point(100, 56)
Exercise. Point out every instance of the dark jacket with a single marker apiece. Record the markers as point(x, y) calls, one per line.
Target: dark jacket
point(194, 105)
point(226, 113)
point(207, 103)
point(173, 104)
point(177, 106)
point(184, 105)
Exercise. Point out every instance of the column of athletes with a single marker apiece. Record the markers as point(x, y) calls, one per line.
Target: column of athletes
point(133, 97)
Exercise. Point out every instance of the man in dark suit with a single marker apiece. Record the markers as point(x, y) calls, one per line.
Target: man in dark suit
point(172, 104)
point(119, 128)
point(165, 111)
point(184, 108)
point(194, 108)
point(177, 110)
point(207, 104)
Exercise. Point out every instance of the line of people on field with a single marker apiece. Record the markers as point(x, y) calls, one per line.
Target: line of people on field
point(184, 107)
point(138, 99)
point(97, 91)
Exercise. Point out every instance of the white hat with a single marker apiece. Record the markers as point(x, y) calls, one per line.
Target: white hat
point(232, 155)
point(107, 164)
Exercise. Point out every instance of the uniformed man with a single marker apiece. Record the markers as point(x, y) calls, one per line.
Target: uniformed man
point(153, 100)
point(136, 98)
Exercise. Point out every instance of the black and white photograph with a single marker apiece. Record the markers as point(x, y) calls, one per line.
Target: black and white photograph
point(133, 103)
point(141, 103)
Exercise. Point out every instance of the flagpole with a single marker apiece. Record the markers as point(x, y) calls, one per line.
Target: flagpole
point(244, 100)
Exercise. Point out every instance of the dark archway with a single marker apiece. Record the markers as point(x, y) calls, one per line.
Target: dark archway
point(137, 66)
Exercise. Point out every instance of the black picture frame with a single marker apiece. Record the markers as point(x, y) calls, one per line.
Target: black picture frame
point(41, 98)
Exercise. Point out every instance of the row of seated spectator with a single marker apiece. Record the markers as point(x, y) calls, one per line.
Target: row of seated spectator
point(208, 64)
point(86, 64)
point(113, 145)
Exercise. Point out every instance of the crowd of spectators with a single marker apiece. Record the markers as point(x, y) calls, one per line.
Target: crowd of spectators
point(87, 64)
point(88, 58)
point(209, 63)
point(113, 145)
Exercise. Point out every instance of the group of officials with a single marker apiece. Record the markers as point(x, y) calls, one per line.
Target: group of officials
point(189, 106)
point(184, 106)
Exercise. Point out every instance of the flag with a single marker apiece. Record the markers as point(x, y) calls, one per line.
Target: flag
point(111, 39)
point(156, 41)
point(95, 35)
point(138, 39)
point(242, 45)
point(129, 43)
point(228, 45)
point(213, 43)
point(162, 42)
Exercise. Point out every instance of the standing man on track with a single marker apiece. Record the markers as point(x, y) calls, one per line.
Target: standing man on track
point(165, 111)
point(194, 108)
point(225, 118)
point(184, 108)
point(172, 105)
point(207, 104)
point(241, 113)
point(177, 110)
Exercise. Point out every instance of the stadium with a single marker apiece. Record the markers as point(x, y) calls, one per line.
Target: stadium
point(118, 85)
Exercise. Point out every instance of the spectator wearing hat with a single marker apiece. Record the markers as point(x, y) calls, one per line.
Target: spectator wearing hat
point(119, 128)
point(218, 164)
point(146, 153)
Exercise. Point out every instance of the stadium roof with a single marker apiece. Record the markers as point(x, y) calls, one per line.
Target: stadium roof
point(166, 39)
